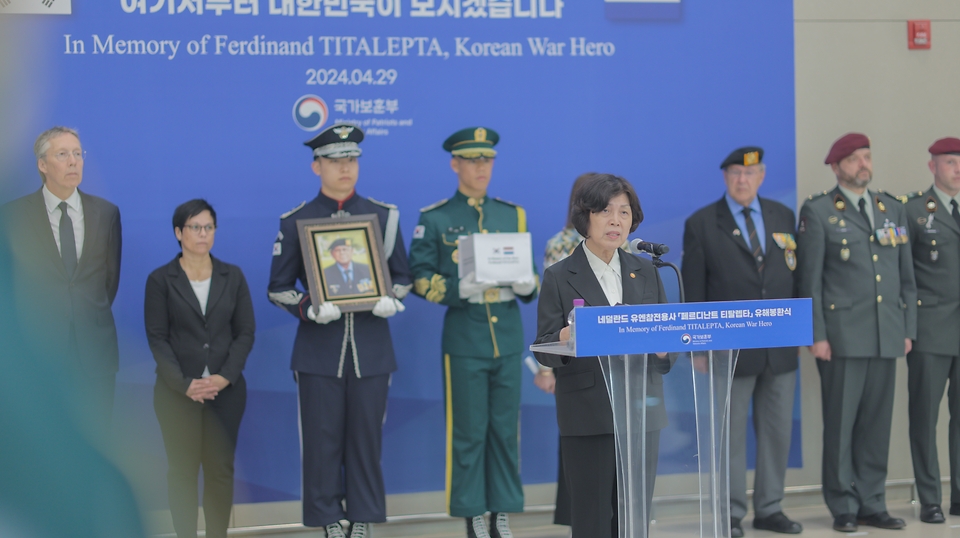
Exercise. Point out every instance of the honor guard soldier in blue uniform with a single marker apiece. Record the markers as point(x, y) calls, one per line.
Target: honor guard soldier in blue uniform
point(482, 340)
point(934, 221)
point(853, 260)
point(342, 362)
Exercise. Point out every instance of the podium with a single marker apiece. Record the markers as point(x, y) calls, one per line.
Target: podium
point(701, 343)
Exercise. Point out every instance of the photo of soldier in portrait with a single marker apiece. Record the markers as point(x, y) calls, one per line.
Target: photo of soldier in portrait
point(346, 277)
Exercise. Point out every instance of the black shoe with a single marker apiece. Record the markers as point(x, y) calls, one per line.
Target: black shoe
point(882, 520)
point(931, 513)
point(777, 523)
point(500, 525)
point(955, 509)
point(845, 523)
point(736, 531)
point(477, 527)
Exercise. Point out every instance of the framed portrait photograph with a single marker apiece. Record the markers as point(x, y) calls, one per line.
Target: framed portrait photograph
point(344, 261)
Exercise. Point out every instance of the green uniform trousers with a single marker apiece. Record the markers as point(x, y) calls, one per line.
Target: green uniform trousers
point(927, 378)
point(482, 402)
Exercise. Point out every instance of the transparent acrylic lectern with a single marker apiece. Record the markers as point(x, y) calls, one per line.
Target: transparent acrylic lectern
point(698, 387)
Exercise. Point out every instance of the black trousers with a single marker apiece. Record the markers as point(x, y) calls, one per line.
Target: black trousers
point(196, 435)
point(590, 469)
point(341, 425)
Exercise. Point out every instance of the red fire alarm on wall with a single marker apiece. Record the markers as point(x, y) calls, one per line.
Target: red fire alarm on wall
point(918, 34)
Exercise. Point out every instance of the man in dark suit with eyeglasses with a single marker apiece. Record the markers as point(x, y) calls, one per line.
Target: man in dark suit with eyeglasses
point(65, 248)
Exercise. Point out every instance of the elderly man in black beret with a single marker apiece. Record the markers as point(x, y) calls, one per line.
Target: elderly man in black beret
point(742, 247)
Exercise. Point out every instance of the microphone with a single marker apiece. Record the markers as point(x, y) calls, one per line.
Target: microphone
point(653, 249)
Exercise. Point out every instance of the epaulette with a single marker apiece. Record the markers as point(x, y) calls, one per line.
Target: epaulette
point(909, 196)
point(382, 204)
point(892, 196)
point(294, 210)
point(818, 195)
point(507, 202)
point(431, 207)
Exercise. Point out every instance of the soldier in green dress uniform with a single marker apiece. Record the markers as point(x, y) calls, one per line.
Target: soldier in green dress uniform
point(934, 221)
point(855, 263)
point(482, 340)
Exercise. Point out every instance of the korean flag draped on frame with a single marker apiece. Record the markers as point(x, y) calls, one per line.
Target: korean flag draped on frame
point(642, 10)
point(35, 7)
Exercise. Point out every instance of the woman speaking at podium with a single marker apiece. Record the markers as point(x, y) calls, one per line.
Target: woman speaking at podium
point(605, 211)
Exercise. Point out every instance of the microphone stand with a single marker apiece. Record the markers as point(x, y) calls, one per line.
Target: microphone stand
point(658, 263)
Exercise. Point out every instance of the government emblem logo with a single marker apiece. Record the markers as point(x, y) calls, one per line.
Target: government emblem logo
point(310, 112)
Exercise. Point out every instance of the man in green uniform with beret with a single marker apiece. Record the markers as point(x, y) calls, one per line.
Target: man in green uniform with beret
point(854, 262)
point(482, 339)
point(934, 221)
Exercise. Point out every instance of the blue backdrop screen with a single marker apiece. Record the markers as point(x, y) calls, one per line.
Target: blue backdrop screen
point(178, 99)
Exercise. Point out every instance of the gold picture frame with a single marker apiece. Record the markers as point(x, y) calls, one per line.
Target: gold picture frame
point(344, 261)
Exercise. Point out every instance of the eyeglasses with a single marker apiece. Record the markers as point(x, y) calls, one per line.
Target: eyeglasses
point(477, 160)
point(196, 228)
point(63, 155)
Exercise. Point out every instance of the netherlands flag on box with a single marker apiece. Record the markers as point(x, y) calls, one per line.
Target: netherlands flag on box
point(508, 251)
point(645, 10)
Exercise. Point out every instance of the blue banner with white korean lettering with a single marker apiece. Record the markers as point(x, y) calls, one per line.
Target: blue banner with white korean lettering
point(692, 327)
point(179, 99)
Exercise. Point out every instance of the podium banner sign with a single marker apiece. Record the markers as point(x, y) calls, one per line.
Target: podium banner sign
point(692, 327)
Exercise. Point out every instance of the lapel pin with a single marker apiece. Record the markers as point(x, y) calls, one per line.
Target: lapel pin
point(736, 231)
point(633, 275)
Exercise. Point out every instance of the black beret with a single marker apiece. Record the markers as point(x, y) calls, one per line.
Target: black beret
point(745, 156)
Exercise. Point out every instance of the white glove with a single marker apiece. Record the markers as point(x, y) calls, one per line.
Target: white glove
point(387, 306)
point(328, 312)
point(469, 286)
point(524, 287)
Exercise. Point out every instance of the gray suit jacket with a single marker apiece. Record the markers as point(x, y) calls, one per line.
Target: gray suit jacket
point(66, 319)
point(935, 239)
point(583, 406)
point(864, 295)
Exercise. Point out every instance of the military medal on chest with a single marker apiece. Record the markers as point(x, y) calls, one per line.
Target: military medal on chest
point(789, 246)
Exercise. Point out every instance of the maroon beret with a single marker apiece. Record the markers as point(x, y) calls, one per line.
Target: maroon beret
point(945, 145)
point(846, 145)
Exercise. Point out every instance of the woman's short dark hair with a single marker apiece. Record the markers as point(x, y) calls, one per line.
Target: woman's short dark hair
point(188, 210)
point(578, 184)
point(596, 194)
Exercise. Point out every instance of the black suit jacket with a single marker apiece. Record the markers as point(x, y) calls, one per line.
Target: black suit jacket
point(583, 406)
point(184, 340)
point(338, 287)
point(719, 266)
point(66, 319)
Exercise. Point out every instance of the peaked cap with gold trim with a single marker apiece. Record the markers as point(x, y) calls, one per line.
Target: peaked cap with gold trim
point(472, 142)
point(744, 156)
point(337, 141)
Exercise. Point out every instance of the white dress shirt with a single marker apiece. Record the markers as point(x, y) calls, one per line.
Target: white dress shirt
point(74, 211)
point(607, 274)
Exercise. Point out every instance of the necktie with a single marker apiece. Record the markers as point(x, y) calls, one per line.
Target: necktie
point(68, 241)
point(752, 240)
point(955, 213)
point(349, 276)
point(863, 212)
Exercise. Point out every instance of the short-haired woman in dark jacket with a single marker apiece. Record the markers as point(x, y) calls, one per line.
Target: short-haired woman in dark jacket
point(199, 320)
